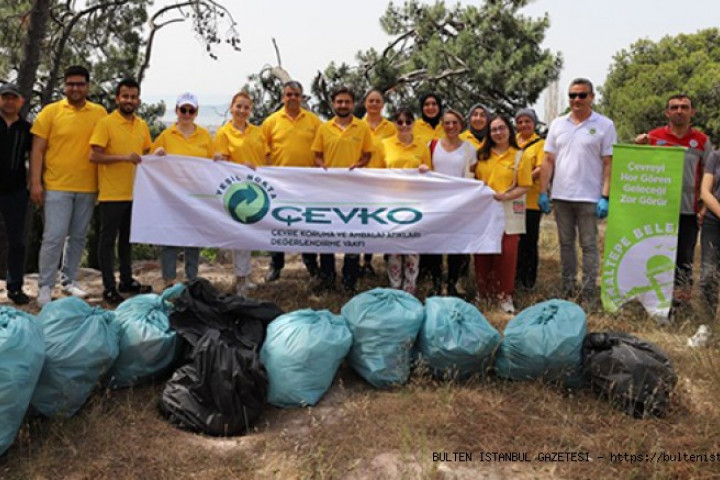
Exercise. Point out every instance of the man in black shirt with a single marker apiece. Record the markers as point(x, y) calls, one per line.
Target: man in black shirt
point(15, 143)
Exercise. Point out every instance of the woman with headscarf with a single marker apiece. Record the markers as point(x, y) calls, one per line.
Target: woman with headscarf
point(187, 138)
point(477, 130)
point(533, 145)
point(429, 126)
point(380, 128)
point(503, 167)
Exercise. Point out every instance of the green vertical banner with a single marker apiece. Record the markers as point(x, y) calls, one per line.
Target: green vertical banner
point(641, 234)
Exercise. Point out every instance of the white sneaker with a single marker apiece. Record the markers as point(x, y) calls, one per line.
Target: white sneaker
point(250, 285)
point(74, 290)
point(506, 305)
point(44, 296)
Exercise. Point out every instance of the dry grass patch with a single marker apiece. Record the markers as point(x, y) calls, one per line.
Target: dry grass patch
point(359, 433)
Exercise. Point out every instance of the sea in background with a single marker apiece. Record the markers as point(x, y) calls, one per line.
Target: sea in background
point(211, 115)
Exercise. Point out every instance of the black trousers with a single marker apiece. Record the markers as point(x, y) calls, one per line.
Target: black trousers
point(115, 225)
point(350, 271)
point(13, 207)
point(277, 261)
point(456, 263)
point(687, 239)
point(526, 273)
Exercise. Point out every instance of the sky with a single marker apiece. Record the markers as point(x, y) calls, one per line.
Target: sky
point(312, 33)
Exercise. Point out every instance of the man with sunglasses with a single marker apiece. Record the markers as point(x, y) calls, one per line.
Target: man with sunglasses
point(578, 150)
point(680, 133)
point(64, 182)
point(289, 133)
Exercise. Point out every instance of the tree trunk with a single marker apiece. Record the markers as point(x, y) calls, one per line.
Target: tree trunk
point(34, 41)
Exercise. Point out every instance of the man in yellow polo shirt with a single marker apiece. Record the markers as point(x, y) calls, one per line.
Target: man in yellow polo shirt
point(342, 142)
point(117, 143)
point(289, 133)
point(64, 181)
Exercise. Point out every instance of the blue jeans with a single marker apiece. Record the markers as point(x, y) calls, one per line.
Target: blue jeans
point(66, 217)
point(168, 259)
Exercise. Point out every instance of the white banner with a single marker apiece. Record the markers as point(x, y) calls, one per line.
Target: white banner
point(186, 201)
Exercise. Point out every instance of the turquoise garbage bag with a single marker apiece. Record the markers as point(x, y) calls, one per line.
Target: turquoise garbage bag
point(384, 323)
point(301, 353)
point(21, 359)
point(456, 339)
point(544, 341)
point(81, 344)
point(148, 345)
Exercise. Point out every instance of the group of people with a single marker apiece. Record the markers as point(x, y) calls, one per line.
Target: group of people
point(80, 156)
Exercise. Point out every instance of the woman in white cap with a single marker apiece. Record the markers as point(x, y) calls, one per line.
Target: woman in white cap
point(186, 138)
point(533, 146)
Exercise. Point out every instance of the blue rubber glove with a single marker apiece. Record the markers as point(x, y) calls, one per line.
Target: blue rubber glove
point(544, 203)
point(603, 207)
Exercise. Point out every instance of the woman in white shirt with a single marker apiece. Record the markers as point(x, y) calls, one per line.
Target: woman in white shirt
point(455, 157)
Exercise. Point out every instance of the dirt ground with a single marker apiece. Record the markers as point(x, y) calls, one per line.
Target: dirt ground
point(425, 429)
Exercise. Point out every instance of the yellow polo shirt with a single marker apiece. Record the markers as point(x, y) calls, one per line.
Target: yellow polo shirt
point(240, 147)
point(199, 144)
point(119, 136)
point(535, 154)
point(385, 129)
point(398, 155)
point(341, 148)
point(424, 132)
point(469, 137)
point(498, 171)
point(289, 140)
point(67, 130)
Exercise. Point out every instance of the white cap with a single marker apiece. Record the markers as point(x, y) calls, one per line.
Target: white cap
point(187, 98)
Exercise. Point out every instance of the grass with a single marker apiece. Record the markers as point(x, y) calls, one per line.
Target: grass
point(357, 432)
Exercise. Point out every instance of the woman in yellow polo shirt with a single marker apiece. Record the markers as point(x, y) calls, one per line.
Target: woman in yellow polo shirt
point(239, 141)
point(380, 128)
point(503, 167)
point(534, 147)
point(429, 127)
point(404, 151)
point(477, 130)
point(183, 138)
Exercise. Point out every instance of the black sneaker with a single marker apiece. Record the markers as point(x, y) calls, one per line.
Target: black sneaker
point(18, 297)
point(134, 287)
point(272, 275)
point(113, 297)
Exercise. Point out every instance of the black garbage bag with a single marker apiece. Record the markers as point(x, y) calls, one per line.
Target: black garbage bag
point(223, 385)
point(220, 393)
point(634, 374)
point(201, 307)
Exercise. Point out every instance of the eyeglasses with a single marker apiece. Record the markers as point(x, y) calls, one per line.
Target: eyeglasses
point(679, 107)
point(499, 129)
point(404, 122)
point(187, 111)
point(581, 95)
point(75, 84)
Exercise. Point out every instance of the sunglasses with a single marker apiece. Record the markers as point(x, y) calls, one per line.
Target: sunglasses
point(75, 84)
point(404, 122)
point(187, 110)
point(582, 95)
